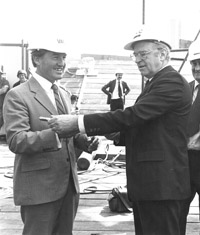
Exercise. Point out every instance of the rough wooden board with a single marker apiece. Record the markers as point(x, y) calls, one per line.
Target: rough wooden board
point(93, 217)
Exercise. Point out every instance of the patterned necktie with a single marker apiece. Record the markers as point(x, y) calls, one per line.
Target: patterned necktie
point(119, 90)
point(59, 105)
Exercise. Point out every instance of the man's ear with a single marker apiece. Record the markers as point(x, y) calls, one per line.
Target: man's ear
point(36, 60)
point(163, 54)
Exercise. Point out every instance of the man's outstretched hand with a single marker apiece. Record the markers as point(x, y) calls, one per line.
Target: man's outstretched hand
point(64, 125)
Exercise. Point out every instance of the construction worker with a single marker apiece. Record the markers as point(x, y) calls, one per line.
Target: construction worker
point(4, 88)
point(193, 132)
point(116, 91)
point(22, 75)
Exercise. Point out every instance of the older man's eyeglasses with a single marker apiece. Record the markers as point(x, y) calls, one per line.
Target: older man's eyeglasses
point(141, 54)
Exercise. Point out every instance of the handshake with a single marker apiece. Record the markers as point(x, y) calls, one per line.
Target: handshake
point(64, 125)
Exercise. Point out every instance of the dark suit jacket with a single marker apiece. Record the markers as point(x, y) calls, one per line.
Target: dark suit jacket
point(155, 137)
point(109, 88)
point(194, 119)
point(41, 170)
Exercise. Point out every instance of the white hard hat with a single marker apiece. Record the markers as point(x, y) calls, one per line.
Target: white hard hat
point(119, 71)
point(194, 50)
point(21, 71)
point(146, 34)
point(49, 44)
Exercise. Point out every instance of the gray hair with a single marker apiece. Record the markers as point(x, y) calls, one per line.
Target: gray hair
point(162, 46)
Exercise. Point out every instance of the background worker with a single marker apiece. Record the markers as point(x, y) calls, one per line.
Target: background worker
point(4, 88)
point(193, 131)
point(22, 76)
point(116, 91)
point(45, 169)
point(154, 133)
point(74, 100)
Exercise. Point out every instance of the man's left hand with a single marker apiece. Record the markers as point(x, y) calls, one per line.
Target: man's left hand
point(93, 143)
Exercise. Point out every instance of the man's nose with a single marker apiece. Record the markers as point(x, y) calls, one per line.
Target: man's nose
point(197, 66)
point(61, 61)
point(137, 59)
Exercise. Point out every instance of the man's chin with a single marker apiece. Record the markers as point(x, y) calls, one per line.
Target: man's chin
point(58, 77)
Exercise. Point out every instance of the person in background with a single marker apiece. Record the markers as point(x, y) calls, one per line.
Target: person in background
point(74, 100)
point(45, 169)
point(193, 132)
point(154, 131)
point(4, 88)
point(22, 75)
point(116, 91)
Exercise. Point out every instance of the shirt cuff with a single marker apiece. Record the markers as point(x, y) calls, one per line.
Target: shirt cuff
point(81, 125)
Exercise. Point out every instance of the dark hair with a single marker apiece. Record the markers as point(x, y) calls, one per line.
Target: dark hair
point(74, 97)
point(37, 53)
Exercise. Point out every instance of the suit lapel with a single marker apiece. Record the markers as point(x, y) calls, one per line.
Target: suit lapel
point(192, 86)
point(112, 85)
point(194, 118)
point(41, 96)
point(153, 80)
point(146, 90)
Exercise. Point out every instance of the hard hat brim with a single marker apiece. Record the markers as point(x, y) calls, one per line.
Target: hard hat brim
point(49, 49)
point(194, 57)
point(130, 45)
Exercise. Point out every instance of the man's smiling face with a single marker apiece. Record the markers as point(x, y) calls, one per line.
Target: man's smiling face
point(51, 65)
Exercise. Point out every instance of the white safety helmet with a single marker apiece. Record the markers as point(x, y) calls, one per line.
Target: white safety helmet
point(119, 71)
point(21, 71)
point(50, 44)
point(194, 50)
point(147, 34)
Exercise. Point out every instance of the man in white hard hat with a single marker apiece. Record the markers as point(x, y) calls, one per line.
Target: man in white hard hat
point(22, 76)
point(116, 90)
point(193, 131)
point(45, 175)
point(154, 133)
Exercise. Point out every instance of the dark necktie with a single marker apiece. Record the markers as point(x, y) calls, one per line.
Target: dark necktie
point(147, 83)
point(59, 105)
point(145, 90)
point(194, 119)
point(119, 90)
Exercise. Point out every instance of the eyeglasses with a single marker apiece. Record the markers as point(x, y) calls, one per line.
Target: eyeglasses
point(141, 54)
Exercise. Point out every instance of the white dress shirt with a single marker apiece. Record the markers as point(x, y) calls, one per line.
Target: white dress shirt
point(46, 85)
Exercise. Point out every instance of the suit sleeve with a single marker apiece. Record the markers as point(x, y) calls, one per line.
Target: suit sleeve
point(105, 87)
point(126, 88)
point(165, 95)
point(22, 135)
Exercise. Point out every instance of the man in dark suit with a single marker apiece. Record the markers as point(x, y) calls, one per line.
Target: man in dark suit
point(193, 132)
point(154, 133)
point(116, 90)
point(45, 169)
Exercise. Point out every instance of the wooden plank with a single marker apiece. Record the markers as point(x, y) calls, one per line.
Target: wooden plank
point(120, 226)
point(94, 215)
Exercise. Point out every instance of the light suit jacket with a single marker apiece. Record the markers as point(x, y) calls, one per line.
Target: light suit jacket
point(41, 170)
